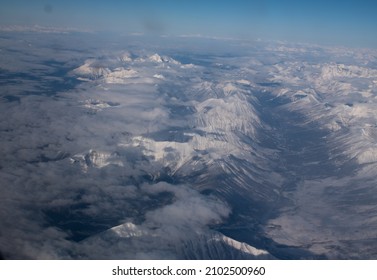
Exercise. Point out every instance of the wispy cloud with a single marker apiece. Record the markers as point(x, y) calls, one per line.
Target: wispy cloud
point(42, 29)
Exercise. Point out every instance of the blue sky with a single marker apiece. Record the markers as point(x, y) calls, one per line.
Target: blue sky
point(347, 22)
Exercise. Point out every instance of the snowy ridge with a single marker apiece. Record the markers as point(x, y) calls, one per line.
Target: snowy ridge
point(220, 122)
point(124, 241)
point(91, 70)
point(223, 112)
point(178, 230)
point(161, 59)
point(119, 75)
point(340, 97)
point(330, 71)
point(228, 114)
point(122, 69)
point(96, 159)
point(98, 105)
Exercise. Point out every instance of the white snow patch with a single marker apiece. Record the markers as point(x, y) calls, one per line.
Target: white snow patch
point(156, 58)
point(95, 159)
point(91, 69)
point(159, 76)
point(120, 76)
point(367, 156)
point(244, 82)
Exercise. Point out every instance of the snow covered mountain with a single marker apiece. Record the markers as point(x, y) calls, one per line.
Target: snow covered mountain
point(235, 130)
point(247, 151)
point(212, 126)
point(130, 241)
